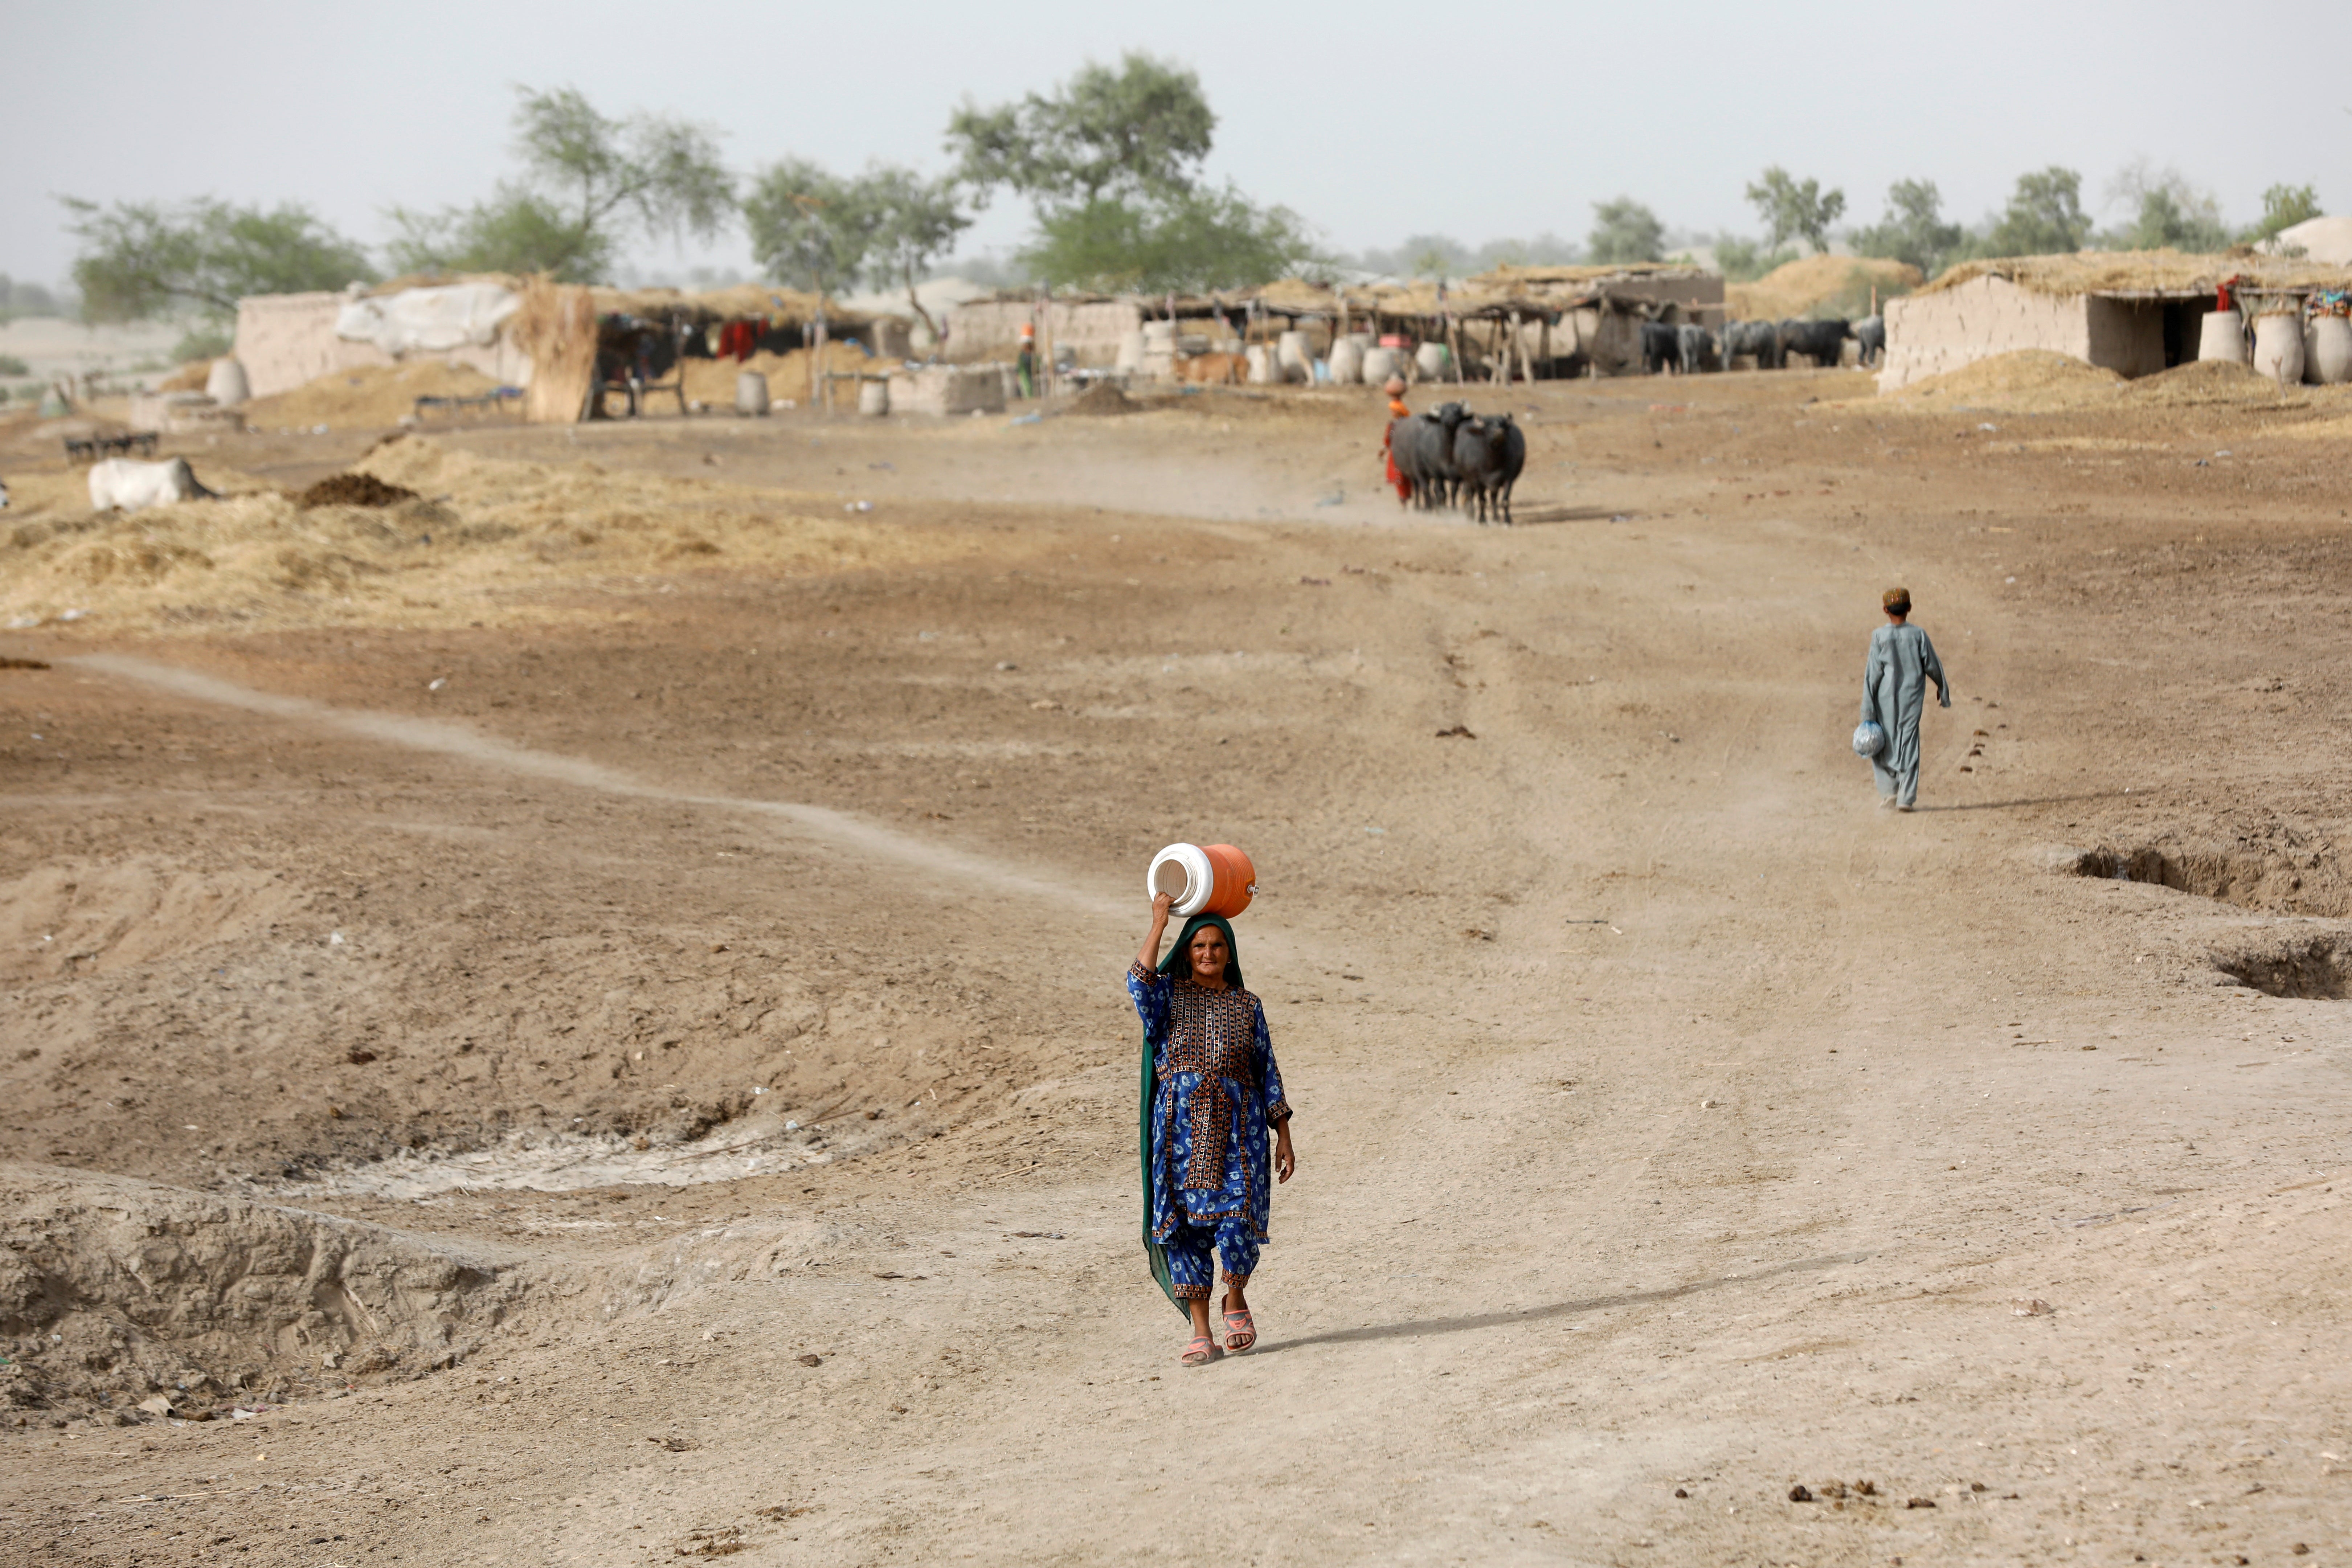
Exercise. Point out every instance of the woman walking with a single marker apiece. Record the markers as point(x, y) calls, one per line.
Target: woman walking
point(1895, 695)
point(1211, 1091)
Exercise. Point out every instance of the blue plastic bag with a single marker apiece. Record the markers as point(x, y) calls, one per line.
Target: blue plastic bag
point(1869, 739)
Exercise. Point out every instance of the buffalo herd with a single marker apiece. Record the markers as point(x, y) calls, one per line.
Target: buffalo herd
point(1681, 348)
point(1453, 458)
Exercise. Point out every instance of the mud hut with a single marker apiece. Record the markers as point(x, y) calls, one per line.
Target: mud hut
point(2134, 312)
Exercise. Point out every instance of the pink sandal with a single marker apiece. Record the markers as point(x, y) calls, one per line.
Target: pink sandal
point(1201, 1351)
point(1241, 1332)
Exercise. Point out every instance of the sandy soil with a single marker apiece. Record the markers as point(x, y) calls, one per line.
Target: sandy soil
point(647, 1075)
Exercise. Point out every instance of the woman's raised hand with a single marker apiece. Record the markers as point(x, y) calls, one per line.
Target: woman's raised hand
point(1148, 954)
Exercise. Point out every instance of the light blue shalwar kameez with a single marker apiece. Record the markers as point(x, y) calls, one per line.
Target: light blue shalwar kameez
point(1893, 694)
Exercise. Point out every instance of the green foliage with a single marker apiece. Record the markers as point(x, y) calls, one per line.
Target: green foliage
point(2284, 206)
point(206, 341)
point(11, 366)
point(517, 230)
point(1913, 229)
point(1625, 230)
point(2045, 216)
point(1139, 133)
point(2168, 212)
point(589, 178)
point(1793, 209)
point(808, 228)
point(140, 259)
point(1189, 242)
point(1744, 261)
point(913, 223)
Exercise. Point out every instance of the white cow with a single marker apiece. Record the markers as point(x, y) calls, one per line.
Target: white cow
point(120, 482)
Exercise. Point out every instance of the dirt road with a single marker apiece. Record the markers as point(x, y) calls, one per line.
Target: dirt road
point(683, 1010)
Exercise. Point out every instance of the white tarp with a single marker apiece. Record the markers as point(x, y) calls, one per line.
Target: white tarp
point(432, 320)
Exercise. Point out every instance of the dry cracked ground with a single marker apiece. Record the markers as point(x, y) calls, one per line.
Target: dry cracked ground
point(544, 1057)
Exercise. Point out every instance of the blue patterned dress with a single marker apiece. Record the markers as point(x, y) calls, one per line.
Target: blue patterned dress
point(1216, 1092)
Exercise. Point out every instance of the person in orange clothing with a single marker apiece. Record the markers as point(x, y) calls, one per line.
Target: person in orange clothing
point(1397, 410)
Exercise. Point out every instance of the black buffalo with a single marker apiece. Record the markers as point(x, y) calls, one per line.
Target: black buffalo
point(1661, 347)
point(1692, 345)
point(1489, 454)
point(1422, 445)
point(1820, 340)
point(1871, 333)
point(1761, 339)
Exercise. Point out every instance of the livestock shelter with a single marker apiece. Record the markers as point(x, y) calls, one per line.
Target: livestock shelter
point(2134, 312)
point(286, 340)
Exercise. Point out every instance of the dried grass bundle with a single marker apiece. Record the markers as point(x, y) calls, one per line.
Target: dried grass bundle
point(556, 326)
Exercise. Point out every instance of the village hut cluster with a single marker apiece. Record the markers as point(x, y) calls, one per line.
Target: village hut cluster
point(560, 353)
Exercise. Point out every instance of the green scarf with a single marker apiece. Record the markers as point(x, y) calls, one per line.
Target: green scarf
point(1177, 962)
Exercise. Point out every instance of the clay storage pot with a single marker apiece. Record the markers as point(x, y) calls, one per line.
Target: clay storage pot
point(1430, 361)
point(2327, 350)
point(225, 384)
point(2222, 335)
point(1347, 361)
point(2278, 347)
point(751, 392)
point(873, 397)
point(1214, 878)
point(1379, 364)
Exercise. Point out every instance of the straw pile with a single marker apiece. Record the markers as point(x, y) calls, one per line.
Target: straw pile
point(2025, 380)
point(2037, 381)
point(1800, 286)
point(556, 326)
point(2142, 271)
point(485, 540)
point(376, 397)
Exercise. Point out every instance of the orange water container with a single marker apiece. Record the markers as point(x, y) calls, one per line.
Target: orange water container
point(1212, 879)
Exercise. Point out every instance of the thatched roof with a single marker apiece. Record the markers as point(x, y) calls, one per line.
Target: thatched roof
point(2144, 272)
point(791, 307)
point(1520, 281)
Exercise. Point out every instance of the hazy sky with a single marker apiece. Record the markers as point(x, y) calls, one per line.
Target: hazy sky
point(1373, 119)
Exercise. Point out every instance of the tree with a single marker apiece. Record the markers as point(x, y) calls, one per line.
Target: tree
point(140, 259)
point(2168, 212)
point(2045, 216)
point(1625, 230)
point(1794, 210)
point(1140, 131)
point(1744, 261)
point(589, 178)
point(2284, 206)
point(808, 227)
point(1913, 229)
point(913, 223)
point(1205, 238)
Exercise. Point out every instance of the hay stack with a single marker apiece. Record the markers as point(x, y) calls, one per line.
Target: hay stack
point(556, 326)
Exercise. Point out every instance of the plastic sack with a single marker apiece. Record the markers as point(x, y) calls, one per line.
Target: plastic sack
point(1869, 739)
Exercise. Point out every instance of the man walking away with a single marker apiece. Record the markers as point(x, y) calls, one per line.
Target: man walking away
point(1895, 692)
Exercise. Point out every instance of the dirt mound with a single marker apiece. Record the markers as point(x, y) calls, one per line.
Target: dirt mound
point(73, 918)
point(372, 398)
point(353, 490)
point(1103, 398)
point(1830, 285)
point(2027, 379)
point(496, 534)
point(2208, 382)
point(114, 1289)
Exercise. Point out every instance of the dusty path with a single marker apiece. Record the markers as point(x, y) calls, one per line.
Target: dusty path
point(1755, 1182)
